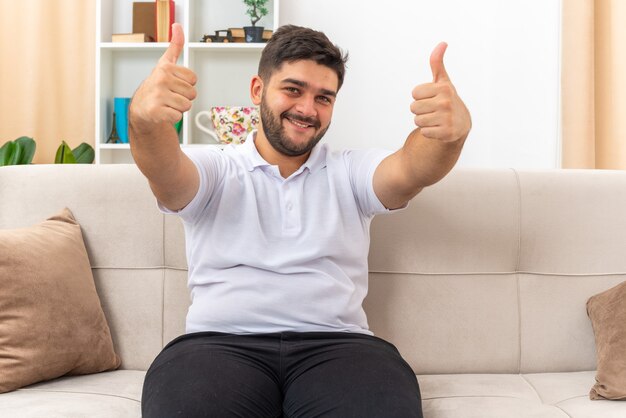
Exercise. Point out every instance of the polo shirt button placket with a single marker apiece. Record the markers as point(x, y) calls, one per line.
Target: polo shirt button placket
point(291, 222)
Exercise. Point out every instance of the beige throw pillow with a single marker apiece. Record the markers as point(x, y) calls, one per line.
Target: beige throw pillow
point(607, 312)
point(51, 320)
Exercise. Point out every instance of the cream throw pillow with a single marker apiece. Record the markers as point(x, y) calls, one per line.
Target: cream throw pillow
point(607, 312)
point(51, 320)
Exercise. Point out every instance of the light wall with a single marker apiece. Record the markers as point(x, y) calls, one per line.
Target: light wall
point(503, 57)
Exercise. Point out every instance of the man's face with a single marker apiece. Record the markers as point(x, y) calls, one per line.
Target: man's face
point(297, 105)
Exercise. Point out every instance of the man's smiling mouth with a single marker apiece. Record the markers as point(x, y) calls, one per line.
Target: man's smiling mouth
point(303, 124)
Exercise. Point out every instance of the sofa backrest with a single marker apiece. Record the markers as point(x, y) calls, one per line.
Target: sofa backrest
point(490, 270)
point(487, 271)
point(137, 254)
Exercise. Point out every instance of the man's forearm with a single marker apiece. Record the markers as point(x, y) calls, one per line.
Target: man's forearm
point(155, 150)
point(171, 175)
point(429, 160)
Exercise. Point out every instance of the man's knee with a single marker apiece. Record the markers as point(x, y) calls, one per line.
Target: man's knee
point(361, 377)
point(198, 380)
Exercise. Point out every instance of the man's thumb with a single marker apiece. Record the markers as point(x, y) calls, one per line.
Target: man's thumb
point(436, 63)
point(176, 44)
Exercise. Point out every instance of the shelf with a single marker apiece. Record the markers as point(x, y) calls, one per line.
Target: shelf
point(126, 46)
point(123, 46)
point(114, 146)
point(224, 70)
point(226, 46)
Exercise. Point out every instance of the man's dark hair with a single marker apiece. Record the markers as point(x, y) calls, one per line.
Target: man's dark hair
point(294, 43)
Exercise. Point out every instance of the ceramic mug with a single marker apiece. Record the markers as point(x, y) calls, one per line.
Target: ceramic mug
point(231, 124)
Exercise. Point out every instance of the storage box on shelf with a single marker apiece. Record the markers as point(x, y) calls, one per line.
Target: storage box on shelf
point(224, 69)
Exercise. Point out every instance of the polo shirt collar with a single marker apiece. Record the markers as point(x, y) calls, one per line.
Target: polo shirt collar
point(315, 162)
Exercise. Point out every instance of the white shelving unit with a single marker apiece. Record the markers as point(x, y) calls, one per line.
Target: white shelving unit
point(224, 70)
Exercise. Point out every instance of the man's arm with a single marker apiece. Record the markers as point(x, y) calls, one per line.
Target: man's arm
point(157, 105)
point(433, 148)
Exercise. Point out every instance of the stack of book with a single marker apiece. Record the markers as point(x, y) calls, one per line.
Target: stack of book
point(152, 22)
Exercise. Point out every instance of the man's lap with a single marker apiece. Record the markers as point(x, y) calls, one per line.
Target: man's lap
point(287, 374)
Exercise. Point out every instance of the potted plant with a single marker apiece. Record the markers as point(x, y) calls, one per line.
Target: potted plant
point(256, 10)
point(22, 150)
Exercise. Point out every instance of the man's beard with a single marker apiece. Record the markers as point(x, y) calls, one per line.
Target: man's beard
point(275, 132)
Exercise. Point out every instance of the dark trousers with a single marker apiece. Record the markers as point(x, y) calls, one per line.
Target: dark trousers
point(319, 374)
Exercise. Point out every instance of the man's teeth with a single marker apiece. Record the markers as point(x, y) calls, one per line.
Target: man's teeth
point(299, 124)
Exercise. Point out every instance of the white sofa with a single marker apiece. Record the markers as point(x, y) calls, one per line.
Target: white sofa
point(481, 283)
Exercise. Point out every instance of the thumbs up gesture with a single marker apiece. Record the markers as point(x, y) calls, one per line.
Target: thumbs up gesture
point(439, 111)
point(168, 91)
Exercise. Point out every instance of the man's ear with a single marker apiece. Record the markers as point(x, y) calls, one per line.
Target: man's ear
point(256, 90)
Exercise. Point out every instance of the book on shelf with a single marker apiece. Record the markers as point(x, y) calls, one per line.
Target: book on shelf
point(144, 18)
point(131, 37)
point(164, 17)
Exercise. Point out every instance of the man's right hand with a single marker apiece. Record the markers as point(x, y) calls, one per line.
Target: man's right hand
point(167, 93)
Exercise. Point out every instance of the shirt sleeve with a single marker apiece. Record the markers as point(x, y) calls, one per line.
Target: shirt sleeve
point(209, 163)
point(361, 167)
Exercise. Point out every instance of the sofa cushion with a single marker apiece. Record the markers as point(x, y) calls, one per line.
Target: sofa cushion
point(540, 395)
point(607, 312)
point(51, 320)
point(101, 395)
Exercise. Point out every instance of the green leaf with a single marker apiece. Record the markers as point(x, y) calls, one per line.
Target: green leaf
point(6, 153)
point(28, 147)
point(17, 154)
point(84, 154)
point(64, 155)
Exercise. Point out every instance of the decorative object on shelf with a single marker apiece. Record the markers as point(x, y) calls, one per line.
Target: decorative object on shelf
point(256, 10)
point(239, 34)
point(165, 16)
point(231, 124)
point(18, 152)
point(120, 107)
point(223, 35)
point(113, 137)
point(82, 154)
point(144, 18)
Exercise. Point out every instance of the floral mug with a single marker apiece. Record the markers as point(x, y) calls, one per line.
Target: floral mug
point(231, 124)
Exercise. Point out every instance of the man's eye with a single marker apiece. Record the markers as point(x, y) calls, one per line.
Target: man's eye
point(291, 89)
point(323, 99)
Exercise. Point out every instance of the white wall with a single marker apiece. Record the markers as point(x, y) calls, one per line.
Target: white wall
point(503, 58)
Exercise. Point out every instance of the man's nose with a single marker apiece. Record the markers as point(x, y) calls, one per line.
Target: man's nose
point(306, 106)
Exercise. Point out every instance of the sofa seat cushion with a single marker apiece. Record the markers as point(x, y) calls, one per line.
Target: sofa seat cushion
point(102, 395)
point(541, 395)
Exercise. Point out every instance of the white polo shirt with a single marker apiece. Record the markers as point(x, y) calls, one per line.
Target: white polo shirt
point(269, 254)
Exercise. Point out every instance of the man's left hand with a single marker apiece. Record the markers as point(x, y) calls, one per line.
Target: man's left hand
point(439, 111)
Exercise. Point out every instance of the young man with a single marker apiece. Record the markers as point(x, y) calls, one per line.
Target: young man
point(277, 234)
